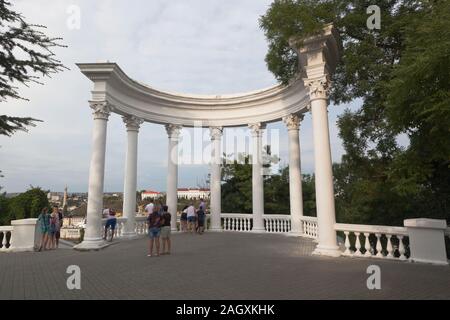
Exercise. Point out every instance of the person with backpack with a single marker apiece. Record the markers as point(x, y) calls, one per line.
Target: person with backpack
point(165, 230)
point(183, 219)
point(154, 231)
point(201, 220)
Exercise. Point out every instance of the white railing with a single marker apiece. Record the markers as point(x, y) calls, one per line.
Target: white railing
point(309, 227)
point(240, 222)
point(375, 241)
point(277, 223)
point(6, 236)
point(141, 225)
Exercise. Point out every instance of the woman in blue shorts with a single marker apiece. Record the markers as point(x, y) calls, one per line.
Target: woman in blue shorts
point(154, 231)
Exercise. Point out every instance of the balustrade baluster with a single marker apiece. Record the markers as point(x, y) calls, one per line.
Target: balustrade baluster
point(379, 247)
point(401, 248)
point(233, 224)
point(347, 243)
point(389, 246)
point(367, 245)
point(357, 244)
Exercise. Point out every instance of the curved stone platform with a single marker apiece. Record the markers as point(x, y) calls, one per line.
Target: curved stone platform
point(216, 266)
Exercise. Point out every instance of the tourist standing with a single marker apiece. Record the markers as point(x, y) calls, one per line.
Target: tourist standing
point(111, 222)
point(149, 208)
point(165, 230)
point(53, 228)
point(201, 220)
point(58, 229)
point(44, 224)
point(183, 219)
point(154, 231)
point(191, 218)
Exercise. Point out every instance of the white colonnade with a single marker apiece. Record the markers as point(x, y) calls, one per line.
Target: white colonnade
point(115, 92)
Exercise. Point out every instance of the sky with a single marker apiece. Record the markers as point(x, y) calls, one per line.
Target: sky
point(196, 46)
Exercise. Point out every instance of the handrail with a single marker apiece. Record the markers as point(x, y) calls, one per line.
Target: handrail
point(370, 228)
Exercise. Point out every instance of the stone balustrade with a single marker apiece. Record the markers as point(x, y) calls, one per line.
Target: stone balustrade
point(309, 227)
point(240, 222)
point(375, 241)
point(421, 240)
point(277, 223)
point(141, 226)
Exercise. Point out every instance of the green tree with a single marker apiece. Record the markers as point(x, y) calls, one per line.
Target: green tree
point(23, 206)
point(237, 189)
point(25, 56)
point(400, 73)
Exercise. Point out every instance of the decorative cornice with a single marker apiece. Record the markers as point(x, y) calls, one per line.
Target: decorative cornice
point(216, 133)
point(130, 97)
point(173, 130)
point(102, 109)
point(257, 128)
point(318, 87)
point(132, 123)
point(292, 121)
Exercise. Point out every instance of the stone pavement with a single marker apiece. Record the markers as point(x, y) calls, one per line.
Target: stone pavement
point(215, 266)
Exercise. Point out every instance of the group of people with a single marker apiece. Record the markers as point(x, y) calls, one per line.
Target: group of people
point(159, 226)
point(193, 220)
point(50, 225)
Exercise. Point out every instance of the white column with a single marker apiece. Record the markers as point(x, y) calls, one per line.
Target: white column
point(130, 183)
point(257, 177)
point(326, 216)
point(173, 132)
point(295, 178)
point(93, 233)
point(215, 184)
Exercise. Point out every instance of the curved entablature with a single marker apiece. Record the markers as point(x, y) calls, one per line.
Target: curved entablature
point(129, 97)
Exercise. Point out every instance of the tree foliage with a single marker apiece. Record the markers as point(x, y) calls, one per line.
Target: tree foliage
point(23, 206)
point(25, 56)
point(401, 75)
point(237, 189)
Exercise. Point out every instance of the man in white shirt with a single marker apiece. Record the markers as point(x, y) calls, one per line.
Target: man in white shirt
point(191, 216)
point(149, 207)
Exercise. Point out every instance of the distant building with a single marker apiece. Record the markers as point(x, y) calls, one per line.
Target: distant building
point(193, 193)
point(150, 194)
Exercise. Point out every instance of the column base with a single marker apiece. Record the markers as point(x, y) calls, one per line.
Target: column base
point(215, 229)
point(329, 251)
point(95, 244)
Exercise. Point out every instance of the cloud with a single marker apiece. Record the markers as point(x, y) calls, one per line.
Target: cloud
point(197, 46)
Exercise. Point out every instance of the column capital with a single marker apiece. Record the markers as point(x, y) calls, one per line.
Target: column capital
point(173, 130)
point(257, 128)
point(293, 120)
point(102, 109)
point(216, 133)
point(132, 123)
point(318, 87)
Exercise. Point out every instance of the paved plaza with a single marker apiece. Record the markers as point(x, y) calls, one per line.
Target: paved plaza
point(215, 266)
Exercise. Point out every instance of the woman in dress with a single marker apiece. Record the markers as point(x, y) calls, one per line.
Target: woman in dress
point(53, 228)
point(44, 223)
